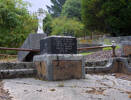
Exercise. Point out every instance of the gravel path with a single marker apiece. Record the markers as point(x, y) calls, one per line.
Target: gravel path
point(94, 87)
point(102, 55)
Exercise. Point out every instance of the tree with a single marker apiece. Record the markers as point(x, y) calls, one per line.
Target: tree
point(67, 26)
point(47, 24)
point(108, 16)
point(56, 7)
point(15, 22)
point(72, 8)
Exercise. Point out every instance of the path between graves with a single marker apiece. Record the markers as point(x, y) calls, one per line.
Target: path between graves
point(94, 87)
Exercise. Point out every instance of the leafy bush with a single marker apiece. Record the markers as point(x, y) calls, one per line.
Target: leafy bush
point(15, 23)
point(47, 24)
point(67, 26)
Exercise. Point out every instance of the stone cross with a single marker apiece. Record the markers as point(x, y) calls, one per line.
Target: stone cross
point(41, 16)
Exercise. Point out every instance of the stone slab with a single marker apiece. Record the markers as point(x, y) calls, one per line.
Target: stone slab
point(60, 66)
point(58, 45)
point(32, 42)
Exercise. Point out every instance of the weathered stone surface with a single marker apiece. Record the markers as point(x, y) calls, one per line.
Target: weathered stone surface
point(17, 73)
point(114, 65)
point(67, 69)
point(17, 65)
point(16, 70)
point(126, 46)
point(32, 42)
point(58, 45)
point(60, 66)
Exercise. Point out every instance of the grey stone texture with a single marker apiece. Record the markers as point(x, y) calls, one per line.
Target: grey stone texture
point(113, 65)
point(118, 40)
point(48, 61)
point(16, 65)
point(16, 70)
point(32, 42)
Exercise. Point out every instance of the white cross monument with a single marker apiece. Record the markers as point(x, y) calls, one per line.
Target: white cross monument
point(41, 16)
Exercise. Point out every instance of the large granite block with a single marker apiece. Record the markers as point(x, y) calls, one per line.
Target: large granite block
point(32, 42)
point(58, 45)
point(54, 67)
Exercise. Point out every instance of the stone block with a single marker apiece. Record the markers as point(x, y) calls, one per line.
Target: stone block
point(32, 42)
point(58, 45)
point(126, 46)
point(55, 67)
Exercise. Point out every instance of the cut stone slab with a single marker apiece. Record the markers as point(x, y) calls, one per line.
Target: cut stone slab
point(54, 67)
point(32, 42)
point(58, 45)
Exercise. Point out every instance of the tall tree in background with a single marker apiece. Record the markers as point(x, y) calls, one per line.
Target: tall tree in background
point(56, 7)
point(15, 22)
point(72, 8)
point(108, 16)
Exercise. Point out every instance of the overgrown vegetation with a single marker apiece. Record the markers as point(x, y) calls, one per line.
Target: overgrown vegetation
point(66, 26)
point(107, 16)
point(98, 16)
point(15, 23)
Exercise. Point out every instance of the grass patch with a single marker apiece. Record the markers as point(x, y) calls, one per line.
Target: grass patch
point(86, 53)
point(61, 85)
point(110, 48)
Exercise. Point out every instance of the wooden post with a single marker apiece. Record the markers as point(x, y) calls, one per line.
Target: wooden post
point(113, 51)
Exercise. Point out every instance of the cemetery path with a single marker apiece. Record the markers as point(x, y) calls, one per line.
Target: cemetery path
point(93, 87)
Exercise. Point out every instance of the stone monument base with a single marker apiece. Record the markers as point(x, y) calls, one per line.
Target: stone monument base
point(53, 67)
point(31, 42)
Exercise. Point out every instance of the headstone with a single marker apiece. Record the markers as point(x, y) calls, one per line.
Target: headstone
point(58, 45)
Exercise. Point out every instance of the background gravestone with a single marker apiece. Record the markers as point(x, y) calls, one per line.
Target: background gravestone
point(126, 48)
point(32, 42)
point(58, 45)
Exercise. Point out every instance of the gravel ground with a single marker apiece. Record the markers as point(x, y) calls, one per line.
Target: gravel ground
point(102, 55)
point(94, 87)
point(4, 94)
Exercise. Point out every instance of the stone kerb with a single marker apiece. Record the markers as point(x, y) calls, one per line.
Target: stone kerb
point(58, 59)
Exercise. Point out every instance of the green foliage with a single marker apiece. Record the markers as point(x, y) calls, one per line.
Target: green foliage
point(110, 48)
point(67, 27)
point(72, 8)
point(108, 16)
point(56, 7)
point(86, 53)
point(47, 24)
point(15, 23)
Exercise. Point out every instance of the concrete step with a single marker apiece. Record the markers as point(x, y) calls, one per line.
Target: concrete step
point(16, 65)
point(17, 73)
